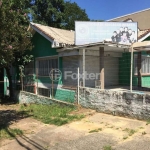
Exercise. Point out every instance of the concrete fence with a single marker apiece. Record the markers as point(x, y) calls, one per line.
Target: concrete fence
point(133, 105)
point(26, 97)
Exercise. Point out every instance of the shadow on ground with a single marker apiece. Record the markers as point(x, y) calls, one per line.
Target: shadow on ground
point(9, 117)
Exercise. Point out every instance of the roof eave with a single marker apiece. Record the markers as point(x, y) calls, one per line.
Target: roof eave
point(144, 37)
point(41, 33)
point(128, 14)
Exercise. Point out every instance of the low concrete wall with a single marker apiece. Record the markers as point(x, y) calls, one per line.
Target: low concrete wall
point(26, 97)
point(135, 105)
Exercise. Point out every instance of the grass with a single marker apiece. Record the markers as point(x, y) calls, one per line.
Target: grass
point(130, 131)
point(95, 130)
point(141, 127)
point(7, 133)
point(51, 114)
point(143, 133)
point(107, 147)
point(148, 122)
point(125, 137)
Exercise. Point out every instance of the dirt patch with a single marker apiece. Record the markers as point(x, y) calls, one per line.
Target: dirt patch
point(95, 131)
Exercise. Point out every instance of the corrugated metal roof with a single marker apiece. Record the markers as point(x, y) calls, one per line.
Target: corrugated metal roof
point(60, 35)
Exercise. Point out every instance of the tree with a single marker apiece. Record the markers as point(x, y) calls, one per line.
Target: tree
point(73, 13)
point(48, 12)
point(57, 13)
point(14, 38)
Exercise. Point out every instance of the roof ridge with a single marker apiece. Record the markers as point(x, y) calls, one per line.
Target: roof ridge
point(56, 34)
point(129, 14)
point(51, 28)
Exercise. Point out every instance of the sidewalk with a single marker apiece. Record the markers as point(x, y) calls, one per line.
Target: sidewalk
point(106, 130)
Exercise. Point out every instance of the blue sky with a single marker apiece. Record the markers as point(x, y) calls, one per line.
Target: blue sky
point(107, 9)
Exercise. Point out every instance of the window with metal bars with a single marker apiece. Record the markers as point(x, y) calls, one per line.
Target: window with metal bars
point(44, 92)
point(145, 64)
point(45, 65)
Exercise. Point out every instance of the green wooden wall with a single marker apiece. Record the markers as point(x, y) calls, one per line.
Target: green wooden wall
point(124, 71)
point(42, 48)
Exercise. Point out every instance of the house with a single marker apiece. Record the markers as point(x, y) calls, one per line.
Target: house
point(70, 57)
point(143, 19)
point(107, 62)
point(46, 41)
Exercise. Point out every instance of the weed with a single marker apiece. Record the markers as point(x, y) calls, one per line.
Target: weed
point(125, 137)
point(51, 114)
point(95, 130)
point(130, 131)
point(148, 122)
point(9, 133)
point(141, 127)
point(143, 133)
point(107, 147)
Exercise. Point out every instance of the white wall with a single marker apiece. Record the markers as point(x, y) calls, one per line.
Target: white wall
point(111, 65)
point(92, 65)
point(70, 63)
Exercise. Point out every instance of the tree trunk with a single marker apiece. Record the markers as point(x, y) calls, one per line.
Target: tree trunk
point(11, 92)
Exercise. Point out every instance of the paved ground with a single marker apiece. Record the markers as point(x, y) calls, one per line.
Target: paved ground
point(112, 131)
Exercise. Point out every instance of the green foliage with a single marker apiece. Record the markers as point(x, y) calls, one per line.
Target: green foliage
point(9, 133)
point(73, 13)
point(48, 12)
point(57, 13)
point(51, 114)
point(14, 38)
point(107, 147)
point(95, 130)
point(125, 137)
point(130, 131)
point(22, 61)
point(148, 122)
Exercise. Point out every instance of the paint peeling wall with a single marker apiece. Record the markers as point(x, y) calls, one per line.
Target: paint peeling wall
point(126, 104)
point(28, 98)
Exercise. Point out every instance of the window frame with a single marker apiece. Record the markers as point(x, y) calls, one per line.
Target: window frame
point(135, 65)
point(46, 58)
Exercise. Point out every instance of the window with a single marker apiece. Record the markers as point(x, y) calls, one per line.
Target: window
point(145, 64)
point(45, 65)
point(44, 92)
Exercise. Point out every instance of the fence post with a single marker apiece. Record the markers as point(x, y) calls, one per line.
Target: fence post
point(131, 68)
point(37, 89)
point(78, 87)
point(52, 84)
point(21, 78)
